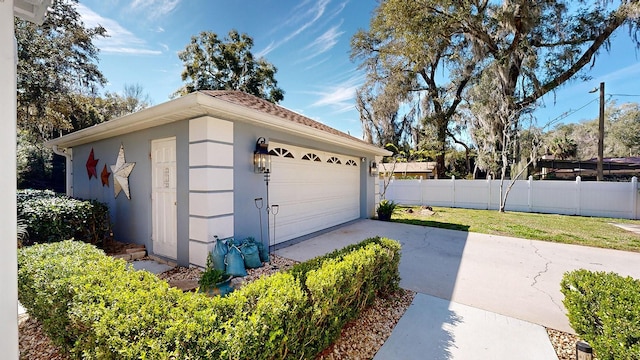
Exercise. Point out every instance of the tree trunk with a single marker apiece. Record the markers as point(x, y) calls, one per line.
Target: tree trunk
point(442, 148)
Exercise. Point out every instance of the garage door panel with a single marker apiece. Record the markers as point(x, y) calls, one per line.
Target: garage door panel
point(295, 224)
point(319, 206)
point(312, 195)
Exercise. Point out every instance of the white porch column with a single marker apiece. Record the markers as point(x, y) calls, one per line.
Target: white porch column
point(8, 254)
point(211, 194)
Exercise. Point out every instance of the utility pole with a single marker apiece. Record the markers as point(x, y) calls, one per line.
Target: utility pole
point(600, 175)
point(601, 134)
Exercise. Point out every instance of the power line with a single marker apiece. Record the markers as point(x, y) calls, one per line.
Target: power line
point(570, 112)
point(623, 94)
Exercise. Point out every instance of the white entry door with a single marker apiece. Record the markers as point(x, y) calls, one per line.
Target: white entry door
point(163, 197)
point(314, 190)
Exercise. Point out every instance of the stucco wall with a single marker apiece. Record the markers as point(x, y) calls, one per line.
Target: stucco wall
point(131, 219)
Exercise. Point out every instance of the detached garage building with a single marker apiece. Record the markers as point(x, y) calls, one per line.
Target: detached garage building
point(177, 174)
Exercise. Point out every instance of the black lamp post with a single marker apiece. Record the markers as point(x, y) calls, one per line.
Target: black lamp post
point(261, 158)
point(262, 165)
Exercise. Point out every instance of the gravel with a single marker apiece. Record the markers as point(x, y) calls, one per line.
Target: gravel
point(563, 343)
point(363, 337)
point(359, 339)
point(33, 343)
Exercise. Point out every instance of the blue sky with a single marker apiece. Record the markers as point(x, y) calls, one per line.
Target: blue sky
point(308, 41)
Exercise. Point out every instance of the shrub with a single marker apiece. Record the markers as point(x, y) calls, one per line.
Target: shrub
point(604, 309)
point(385, 209)
point(272, 323)
point(30, 194)
point(21, 232)
point(300, 270)
point(51, 218)
point(93, 306)
point(96, 307)
point(45, 283)
point(211, 276)
point(342, 283)
point(341, 288)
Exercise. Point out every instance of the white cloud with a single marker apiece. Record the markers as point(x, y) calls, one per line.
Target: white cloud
point(340, 97)
point(339, 9)
point(302, 19)
point(164, 46)
point(119, 40)
point(129, 51)
point(630, 71)
point(324, 42)
point(155, 8)
point(266, 50)
point(317, 63)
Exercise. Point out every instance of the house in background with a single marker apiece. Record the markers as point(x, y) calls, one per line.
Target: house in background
point(404, 170)
point(613, 168)
point(179, 173)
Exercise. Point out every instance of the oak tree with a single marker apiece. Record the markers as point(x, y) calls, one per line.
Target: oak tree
point(523, 49)
point(55, 61)
point(214, 63)
point(405, 51)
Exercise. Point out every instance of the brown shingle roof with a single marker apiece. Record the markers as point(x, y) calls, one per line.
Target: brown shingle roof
point(256, 103)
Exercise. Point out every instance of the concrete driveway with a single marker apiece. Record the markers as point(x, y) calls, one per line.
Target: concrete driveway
point(509, 276)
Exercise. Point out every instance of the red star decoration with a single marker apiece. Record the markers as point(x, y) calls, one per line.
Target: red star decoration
point(105, 176)
point(91, 165)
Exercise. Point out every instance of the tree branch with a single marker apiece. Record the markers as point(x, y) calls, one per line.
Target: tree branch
point(616, 22)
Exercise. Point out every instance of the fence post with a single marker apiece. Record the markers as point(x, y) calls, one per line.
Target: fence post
point(530, 193)
point(634, 197)
point(578, 195)
point(421, 192)
point(489, 192)
point(453, 185)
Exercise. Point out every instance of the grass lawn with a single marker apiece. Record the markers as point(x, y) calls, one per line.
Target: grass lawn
point(589, 231)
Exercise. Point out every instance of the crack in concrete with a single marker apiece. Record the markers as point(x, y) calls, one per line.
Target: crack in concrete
point(540, 273)
point(426, 241)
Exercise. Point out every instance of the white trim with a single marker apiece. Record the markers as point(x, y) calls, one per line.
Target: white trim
point(8, 252)
point(161, 114)
point(196, 105)
point(31, 10)
point(68, 154)
point(211, 193)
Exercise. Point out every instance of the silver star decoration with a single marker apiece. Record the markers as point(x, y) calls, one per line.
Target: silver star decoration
point(121, 171)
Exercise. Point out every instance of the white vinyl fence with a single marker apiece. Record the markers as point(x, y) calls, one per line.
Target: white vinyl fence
point(586, 198)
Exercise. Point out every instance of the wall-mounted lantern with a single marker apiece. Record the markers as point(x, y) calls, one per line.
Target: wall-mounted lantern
point(373, 168)
point(261, 158)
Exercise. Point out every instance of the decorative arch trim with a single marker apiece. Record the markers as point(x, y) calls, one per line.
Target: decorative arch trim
point(281, 152)
point(311, 157)
point(334, 160)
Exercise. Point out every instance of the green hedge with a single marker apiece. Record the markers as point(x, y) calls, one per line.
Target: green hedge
point(345, 282)
point(51, 217)
point(95, 307)
point(604, 309)
point(301, 270)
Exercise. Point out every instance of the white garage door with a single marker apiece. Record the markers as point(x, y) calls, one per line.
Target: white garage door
point(314, 190)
